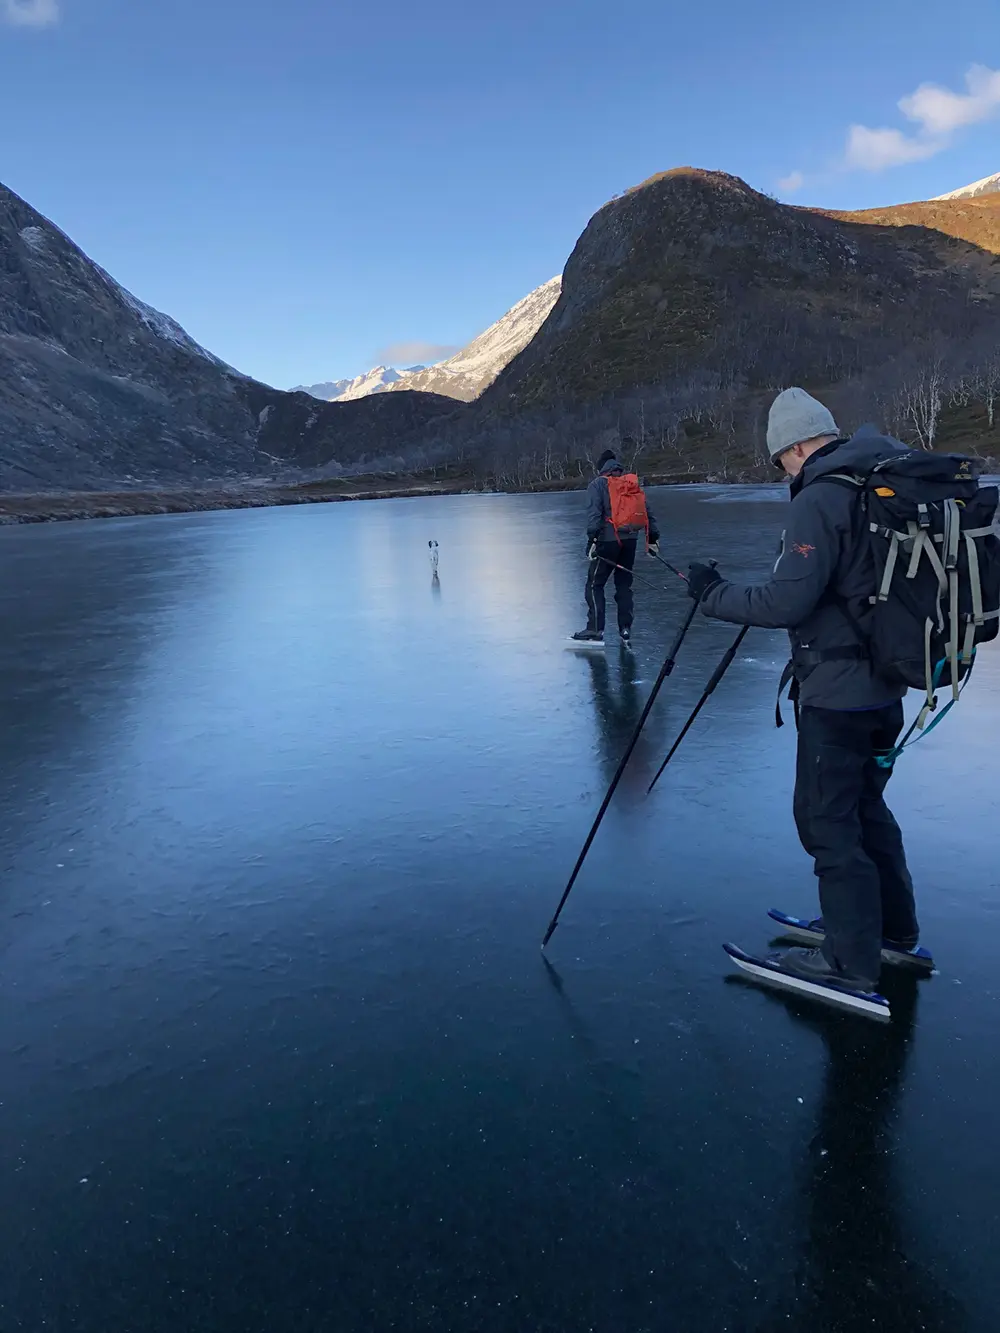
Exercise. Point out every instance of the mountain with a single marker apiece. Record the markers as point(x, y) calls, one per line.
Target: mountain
point(372, 381)
point(695, 274)
point(988, 185)
point(466, 374)
point(692, 298)
point(96, 386)
point(685, 304)
point(328, 390)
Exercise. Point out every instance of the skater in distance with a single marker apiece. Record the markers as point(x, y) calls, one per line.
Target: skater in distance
point(850, 716)
point(617, 516)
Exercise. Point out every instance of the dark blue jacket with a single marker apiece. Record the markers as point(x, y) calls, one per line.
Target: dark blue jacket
point(824, 560)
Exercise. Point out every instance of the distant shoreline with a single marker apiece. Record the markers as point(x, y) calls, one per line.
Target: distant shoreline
point(61, 506)
point(64, 506)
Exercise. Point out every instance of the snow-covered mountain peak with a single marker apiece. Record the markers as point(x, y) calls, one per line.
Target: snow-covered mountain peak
point(988, 185)
point(466, 374)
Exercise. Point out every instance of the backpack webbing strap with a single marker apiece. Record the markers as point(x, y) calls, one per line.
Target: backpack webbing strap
point(922, 543)
point(888, 759)
point(953, 631)
point(931, 675)
point(979, 614)
point(890, 565)
point(975, 580)
point(952, 537)
point(969, 643)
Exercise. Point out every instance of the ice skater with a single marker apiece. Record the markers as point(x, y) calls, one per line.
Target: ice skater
point(618, 514)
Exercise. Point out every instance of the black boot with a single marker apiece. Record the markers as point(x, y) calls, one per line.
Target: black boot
point(811, 965)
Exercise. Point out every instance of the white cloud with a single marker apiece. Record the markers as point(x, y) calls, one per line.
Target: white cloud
point(792, 183)
point(874, 150)
point(937, 112)
point(941, 112)
point(409, 353)
point(29, 13)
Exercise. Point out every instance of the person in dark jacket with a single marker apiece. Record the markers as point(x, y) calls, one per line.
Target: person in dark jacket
point(820, 591)
point(609, 556)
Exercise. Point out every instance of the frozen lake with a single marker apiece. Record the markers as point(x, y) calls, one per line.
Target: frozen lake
point(281, 827)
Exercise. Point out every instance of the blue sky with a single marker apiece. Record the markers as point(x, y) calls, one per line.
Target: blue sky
point(308, 184)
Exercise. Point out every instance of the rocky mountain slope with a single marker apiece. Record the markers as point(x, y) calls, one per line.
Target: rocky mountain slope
point(694, 275)
point(466, 374)
point(684, 305)
point(97, 386)
point(988, 185)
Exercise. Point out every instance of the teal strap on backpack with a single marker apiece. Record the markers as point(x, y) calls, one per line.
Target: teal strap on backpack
point(889, 758)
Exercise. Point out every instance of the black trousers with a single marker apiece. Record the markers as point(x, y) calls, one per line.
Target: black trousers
point(610, 554)
point(865, 890)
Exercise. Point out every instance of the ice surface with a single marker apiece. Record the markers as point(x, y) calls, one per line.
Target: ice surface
point(284, 1008)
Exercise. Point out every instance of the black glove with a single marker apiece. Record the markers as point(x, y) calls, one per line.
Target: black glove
point(591, 548)
point(701, 578)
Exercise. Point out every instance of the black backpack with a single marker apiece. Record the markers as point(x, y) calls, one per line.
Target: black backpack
point(932, 532)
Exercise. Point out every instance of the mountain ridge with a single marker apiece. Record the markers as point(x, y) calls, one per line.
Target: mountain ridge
point(692, 298)
point(685, 303)
point(988, 185)
point(464, 375)
point(96, 386)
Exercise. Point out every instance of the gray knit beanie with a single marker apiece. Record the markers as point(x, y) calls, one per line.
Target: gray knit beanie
point(796, 416)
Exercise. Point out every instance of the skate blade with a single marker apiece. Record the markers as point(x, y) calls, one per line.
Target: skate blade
point(802, 932)
point(865, 1002)
point(587, 646)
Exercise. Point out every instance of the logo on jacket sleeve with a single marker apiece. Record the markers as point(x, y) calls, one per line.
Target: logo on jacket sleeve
point(803, 549)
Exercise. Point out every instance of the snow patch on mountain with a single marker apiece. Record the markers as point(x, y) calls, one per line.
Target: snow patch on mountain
point(466, 374)
point(372, 381)
point(328, 390)
point(486, 356)
point(988, 185)
point(163, 326)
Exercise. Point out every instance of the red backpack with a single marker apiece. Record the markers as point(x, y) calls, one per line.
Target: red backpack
point(628, 506)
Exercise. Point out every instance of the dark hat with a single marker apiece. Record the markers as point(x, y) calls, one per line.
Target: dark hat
point(609, 456)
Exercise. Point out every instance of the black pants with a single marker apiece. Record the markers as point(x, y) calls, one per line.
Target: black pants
point(865, 890)
point(610, 554)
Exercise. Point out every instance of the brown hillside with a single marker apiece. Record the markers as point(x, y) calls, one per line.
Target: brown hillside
point(976, 221)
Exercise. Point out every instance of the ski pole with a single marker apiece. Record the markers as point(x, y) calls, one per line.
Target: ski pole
point(625, 570)
point(673, 568)
point(717, 674)
point(665, 671)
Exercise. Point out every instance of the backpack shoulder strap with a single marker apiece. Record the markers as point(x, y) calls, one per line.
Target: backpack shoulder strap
point(853, 481)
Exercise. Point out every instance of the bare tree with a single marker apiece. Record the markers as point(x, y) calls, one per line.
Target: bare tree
point(920, 395)
point(988, 384)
